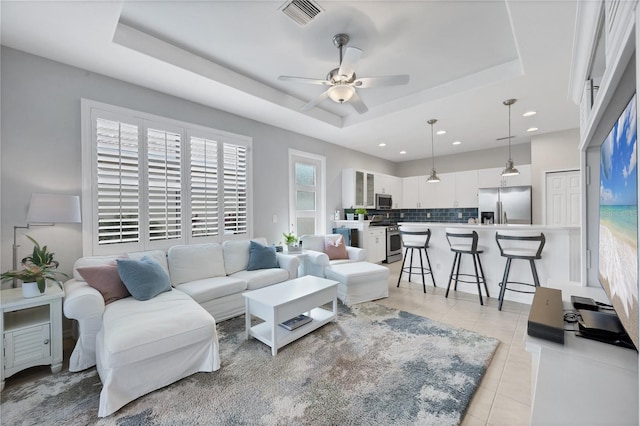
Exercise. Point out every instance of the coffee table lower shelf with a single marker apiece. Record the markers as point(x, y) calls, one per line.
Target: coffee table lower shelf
point(262, 331)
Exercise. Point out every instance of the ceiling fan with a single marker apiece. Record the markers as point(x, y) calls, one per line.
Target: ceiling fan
point(343, 81)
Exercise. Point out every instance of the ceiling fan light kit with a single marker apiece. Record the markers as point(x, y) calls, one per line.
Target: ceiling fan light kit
point(343, 80)
point(510, 169)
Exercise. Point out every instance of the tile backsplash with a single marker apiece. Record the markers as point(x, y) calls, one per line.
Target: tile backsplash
point(428, 215)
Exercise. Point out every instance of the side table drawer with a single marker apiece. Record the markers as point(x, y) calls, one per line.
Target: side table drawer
point(27, 345)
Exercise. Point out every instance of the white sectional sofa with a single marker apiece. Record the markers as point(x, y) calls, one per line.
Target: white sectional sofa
point(131, 341)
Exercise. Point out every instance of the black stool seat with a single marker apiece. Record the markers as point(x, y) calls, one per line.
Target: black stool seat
point(464, 241)
point(416, 238)
point(524, 245)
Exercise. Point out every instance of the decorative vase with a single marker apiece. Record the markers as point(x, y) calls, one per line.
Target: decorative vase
point(292, 248)
point(31, 290)
point(349, 216)
point(360, 217)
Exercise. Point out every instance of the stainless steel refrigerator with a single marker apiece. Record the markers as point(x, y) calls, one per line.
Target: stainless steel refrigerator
point(511, 204)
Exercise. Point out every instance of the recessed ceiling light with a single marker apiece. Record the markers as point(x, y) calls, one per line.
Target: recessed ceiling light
point(529, 113)
point(532, 129)
point(456, 143)
point(441, 132)
point(403, 152)
point(382, 144)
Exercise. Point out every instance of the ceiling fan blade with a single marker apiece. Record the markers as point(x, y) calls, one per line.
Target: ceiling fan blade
point(305, 80)
point(389, 80)
point(316, 101)
point(358, 105)
point(349, 61)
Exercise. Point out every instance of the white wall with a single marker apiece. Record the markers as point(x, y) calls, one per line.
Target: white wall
point(551, 152)
point(40, 150)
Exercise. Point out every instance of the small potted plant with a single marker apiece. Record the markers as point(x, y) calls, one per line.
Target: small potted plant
point(290, 240)
point(36, 270)
point(361, 213)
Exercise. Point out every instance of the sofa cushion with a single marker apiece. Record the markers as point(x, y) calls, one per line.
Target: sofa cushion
point(144, 278)
point(106, 280)
point(157, 255)
point(195, 262)
point(213, 288)
point(261, 257)
point(236, 254)
point(262, 277)
point(335, 249)
point(134, 331)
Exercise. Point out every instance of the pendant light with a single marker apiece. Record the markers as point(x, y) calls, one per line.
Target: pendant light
point(509, 169)
point(433, 177)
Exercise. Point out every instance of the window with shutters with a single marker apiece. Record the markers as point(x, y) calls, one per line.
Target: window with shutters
point(153, 182)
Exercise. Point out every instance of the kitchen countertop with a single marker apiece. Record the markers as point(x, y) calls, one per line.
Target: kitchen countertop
point(491, 227)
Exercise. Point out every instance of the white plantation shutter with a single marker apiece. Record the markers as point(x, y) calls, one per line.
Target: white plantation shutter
point(235, 188)
point(204, 187)
point(118, 188)
point(164, 185)
point(153, 182)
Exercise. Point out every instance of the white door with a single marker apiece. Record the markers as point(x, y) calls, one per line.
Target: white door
point(306, 193)
point(563, 198)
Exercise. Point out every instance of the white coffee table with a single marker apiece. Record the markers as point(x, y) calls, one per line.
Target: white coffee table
point(280, 302)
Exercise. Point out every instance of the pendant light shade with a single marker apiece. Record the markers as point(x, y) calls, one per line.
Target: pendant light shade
point(433, 177)
point(509, 169)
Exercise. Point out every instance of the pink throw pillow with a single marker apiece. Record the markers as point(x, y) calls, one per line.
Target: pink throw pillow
point(106, 280)
point(335, 249)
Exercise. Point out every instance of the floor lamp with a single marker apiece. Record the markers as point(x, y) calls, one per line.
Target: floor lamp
point(47, 210)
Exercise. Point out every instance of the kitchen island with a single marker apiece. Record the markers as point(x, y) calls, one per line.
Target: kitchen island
point(560, 257)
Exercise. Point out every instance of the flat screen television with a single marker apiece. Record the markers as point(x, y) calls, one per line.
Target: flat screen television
point(618, 226)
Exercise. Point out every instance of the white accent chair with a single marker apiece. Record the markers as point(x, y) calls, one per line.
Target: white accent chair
point(316, 260)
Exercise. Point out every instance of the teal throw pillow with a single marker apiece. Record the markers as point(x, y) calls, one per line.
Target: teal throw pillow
point(144, 278)
point(261, 257)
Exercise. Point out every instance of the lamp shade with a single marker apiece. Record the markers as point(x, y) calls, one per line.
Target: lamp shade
point(54, 208)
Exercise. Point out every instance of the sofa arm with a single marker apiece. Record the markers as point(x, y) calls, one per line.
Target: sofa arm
point(290, 263)
point(356, 254)
point(317, 258)
point(86, 305)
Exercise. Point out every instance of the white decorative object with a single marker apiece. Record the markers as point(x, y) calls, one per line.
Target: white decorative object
point(360, 217)
point(31, 290)
point(349, 216)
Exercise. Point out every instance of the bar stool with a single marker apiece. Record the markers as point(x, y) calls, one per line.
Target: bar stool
point(463, 241)
point(525, 245)
point(415, 238)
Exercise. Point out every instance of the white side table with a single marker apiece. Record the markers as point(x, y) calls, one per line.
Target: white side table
point(31, 331)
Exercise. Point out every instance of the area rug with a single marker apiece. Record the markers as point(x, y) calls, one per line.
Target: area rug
point(374, 366)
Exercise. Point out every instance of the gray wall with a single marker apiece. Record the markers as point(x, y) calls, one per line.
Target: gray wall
point(472, 160)
point(40, 150)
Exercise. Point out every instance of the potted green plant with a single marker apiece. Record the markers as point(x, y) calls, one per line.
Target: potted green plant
point(36, 270)
point(361, 212)
point(290, 240)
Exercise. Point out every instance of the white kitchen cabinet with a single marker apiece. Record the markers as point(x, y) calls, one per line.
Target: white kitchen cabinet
point(467, 189)
point(358, 189)
point(411, 192)
point(392, 185)
point(524, 178)
point(376, 244)
point(444, 192)
point(454, 190)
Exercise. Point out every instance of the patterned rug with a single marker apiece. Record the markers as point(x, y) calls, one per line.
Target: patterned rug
point(375, 366)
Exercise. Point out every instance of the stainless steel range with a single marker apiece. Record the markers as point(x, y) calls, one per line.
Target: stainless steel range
point(393, 241)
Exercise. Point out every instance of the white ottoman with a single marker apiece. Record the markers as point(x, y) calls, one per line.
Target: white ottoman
point(359, 281)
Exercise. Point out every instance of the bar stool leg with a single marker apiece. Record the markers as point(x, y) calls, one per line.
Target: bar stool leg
point(534, 271)
point(484, 280)
point(410, 264)
point(455, 287)
point(503, 287)
point(424, 287)
point(430, 270)
point(475, 267)
point(453, 267)
point(404, 259)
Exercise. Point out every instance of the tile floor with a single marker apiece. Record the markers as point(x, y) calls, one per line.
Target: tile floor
point(504, 396)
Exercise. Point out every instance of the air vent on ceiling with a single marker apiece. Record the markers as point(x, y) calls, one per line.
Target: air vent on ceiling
point(301, 11)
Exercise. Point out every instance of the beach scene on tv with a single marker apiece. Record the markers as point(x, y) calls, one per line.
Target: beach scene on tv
point(618, 252)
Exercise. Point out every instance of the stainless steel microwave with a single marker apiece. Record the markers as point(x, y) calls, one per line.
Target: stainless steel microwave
point(384, 202)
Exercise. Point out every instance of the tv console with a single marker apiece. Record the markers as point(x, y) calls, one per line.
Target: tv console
point(583, 381)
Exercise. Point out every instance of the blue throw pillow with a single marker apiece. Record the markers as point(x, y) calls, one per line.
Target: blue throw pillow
point(144, 278)
point(261, 257)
